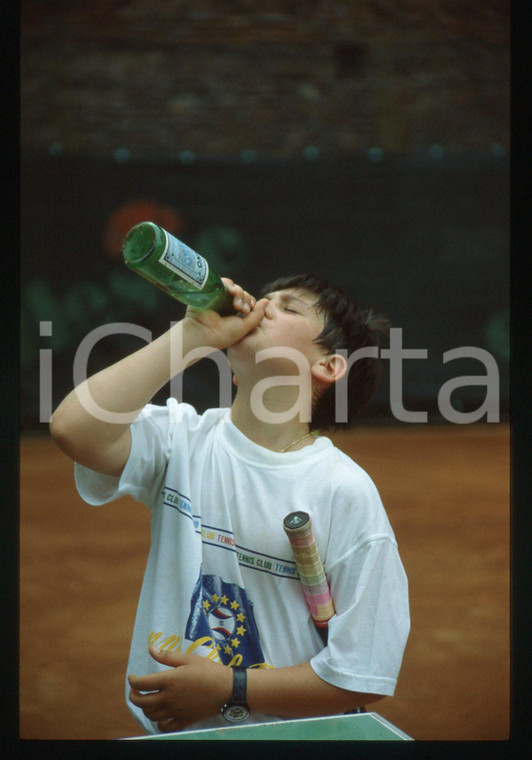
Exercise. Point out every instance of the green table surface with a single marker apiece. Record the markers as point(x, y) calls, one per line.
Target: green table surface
point(360, 727)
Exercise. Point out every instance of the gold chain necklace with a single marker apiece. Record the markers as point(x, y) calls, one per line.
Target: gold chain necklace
point(312, 432)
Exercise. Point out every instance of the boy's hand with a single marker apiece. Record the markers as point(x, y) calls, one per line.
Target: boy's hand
point(242, 300)
point(193, 689)
point(208, 328)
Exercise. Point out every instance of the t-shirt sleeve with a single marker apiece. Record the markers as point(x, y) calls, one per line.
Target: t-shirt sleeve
point(151, 442)
point(368, 584)
point(368, 633)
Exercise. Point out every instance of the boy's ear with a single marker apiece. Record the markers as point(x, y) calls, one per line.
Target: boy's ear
point(235, 380)
point(330, 369)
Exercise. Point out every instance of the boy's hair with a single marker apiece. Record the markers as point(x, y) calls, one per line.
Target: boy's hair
point(346, 327)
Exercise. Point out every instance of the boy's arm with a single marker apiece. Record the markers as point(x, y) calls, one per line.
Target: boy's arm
point(91, 425)
point(297, 692)
point(195, 688)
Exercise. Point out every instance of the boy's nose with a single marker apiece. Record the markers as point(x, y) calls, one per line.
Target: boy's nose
point(268, 311)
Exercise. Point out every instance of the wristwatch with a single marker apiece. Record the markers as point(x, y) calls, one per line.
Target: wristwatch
point(237, 710)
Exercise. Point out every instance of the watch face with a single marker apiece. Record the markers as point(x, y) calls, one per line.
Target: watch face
point(236, 713)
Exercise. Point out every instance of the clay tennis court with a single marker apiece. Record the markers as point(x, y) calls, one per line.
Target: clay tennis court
point(446, 490)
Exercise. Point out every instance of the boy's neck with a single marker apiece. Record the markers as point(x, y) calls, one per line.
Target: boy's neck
point(275, 436)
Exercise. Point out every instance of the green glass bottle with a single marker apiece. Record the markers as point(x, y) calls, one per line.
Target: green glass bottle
point(182, 273)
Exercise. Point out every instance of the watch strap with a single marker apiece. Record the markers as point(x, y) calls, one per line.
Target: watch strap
point(237, 710)
point(239, 685)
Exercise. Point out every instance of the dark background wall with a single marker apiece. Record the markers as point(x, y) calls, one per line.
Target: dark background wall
point(274, 77)
point(366, 140)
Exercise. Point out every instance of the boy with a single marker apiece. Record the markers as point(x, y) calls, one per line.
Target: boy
point(221, 587)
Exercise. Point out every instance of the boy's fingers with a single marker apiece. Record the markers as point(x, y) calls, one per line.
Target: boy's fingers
point(242, 300)
point(255, 316)
point(151, 682)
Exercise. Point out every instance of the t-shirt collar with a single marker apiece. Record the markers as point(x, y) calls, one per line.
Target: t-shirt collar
point(244, 448)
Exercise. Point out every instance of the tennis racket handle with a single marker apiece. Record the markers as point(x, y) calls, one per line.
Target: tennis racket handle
point(298, 528)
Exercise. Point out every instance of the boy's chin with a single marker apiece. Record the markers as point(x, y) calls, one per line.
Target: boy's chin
point(236, 350)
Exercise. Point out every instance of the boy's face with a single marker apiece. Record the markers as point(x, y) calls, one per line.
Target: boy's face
point(290, 321)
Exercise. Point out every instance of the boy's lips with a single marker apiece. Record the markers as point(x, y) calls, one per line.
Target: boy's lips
point(258, 327)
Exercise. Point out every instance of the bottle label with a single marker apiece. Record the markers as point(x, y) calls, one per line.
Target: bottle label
point(184, 262)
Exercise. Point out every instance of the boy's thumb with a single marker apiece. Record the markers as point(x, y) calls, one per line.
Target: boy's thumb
point(256, 316)
point(166, 658)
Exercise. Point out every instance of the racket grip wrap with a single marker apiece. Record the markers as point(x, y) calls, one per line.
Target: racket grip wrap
point(298, 528)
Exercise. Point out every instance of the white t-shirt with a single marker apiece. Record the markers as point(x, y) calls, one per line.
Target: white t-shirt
point(221, 579)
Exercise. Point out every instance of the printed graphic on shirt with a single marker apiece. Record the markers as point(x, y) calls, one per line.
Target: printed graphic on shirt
point(178, 501)
point(224, 539)
point(265, 563)
point(222, 611)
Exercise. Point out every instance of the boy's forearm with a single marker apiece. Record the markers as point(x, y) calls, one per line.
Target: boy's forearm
point(297, 692)
point(99, 409)
point(91, 424)
point(192, 688)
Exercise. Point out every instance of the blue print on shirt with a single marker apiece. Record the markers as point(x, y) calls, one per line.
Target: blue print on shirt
point(222, 611)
